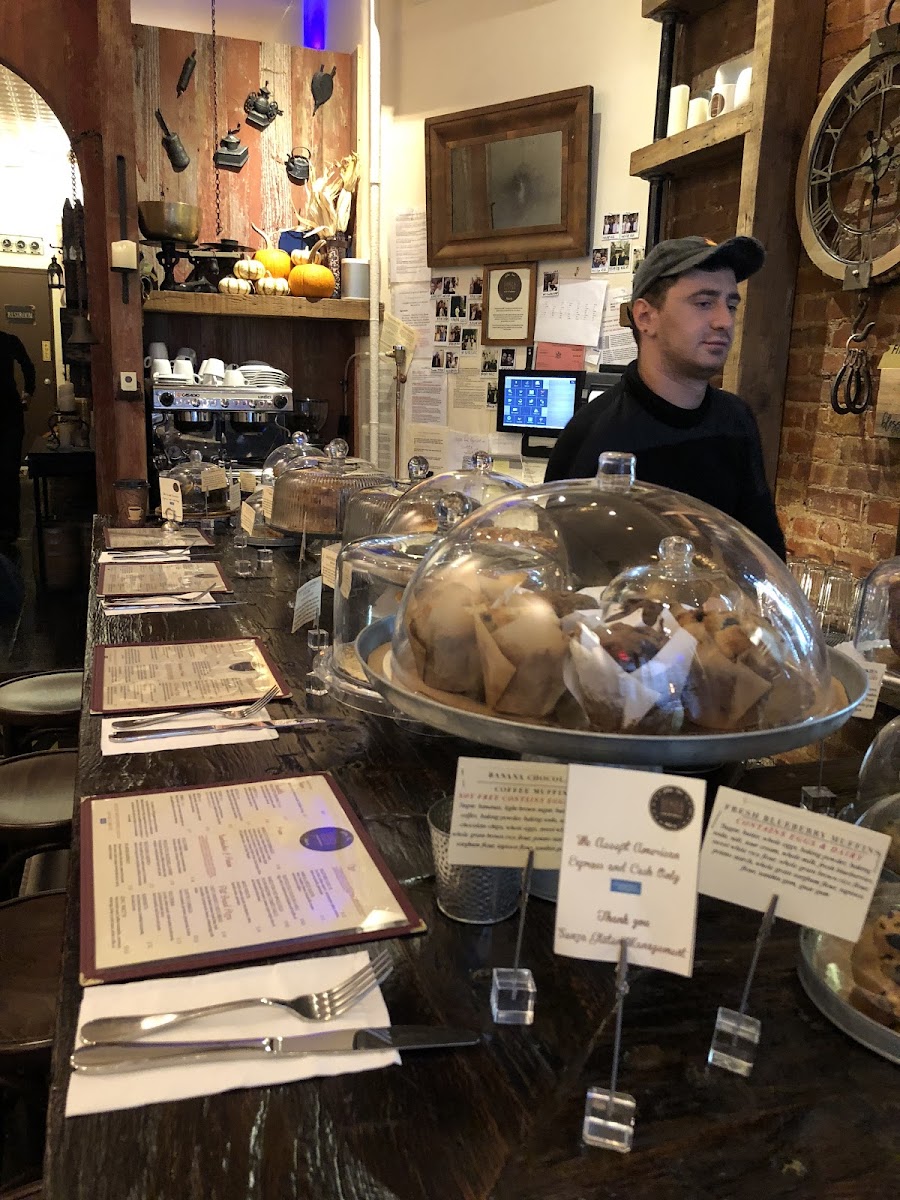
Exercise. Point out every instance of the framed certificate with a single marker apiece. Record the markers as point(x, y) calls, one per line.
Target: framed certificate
point(187, 878)
point(160, 579)
point(509, 298)
point(161, 675)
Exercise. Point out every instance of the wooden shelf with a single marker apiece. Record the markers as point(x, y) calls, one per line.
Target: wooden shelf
point(681, 153)
point(687, 9)
point(216, 305)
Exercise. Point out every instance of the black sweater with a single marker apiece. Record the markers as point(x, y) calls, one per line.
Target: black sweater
point(712, 453)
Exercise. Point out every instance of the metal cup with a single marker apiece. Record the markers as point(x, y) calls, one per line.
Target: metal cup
point(473, 895)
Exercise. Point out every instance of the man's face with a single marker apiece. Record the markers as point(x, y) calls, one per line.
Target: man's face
point(693, 329)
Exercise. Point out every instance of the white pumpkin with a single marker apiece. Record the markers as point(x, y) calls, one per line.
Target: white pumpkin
point(299, 257)
point(271, 285)
point(230, 286)
point(249, 268)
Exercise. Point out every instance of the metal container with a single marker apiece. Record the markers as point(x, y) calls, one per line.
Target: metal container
point(169, 220)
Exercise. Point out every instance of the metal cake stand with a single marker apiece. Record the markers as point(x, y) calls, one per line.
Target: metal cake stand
point(573, 745)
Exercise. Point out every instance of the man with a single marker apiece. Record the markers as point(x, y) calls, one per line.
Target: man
point(12, 431)
point(685, 434)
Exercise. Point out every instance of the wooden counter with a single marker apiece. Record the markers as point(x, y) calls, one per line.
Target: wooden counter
point(819, 1116)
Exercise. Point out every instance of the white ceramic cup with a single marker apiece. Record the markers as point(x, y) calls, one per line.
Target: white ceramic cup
point(355, 278)
point(156, 350)
point(698, 111)
point(678, 109)
point(233, 378)
point(213, 366)
point(160, 366)
point(183, 368)
point(722, 99)
point(742, 87)
point(187, 352)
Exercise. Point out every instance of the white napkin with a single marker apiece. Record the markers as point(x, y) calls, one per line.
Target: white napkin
point(139, 556)
point(225, 734)
point(132, 606)
point(150, 1085)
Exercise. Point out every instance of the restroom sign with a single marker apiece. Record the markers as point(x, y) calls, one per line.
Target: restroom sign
point(20, 314)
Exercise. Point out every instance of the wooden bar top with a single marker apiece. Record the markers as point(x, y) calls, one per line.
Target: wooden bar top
point(817, 1118)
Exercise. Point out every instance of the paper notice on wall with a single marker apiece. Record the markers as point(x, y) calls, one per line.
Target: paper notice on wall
point(408, 252)
point(887, 415)
point(570, 311)
point(616, 342)
point(395, 332)
point(555, 356)
point(430, 442)
point(426, 394)
point(470, 391)
point(411, 304)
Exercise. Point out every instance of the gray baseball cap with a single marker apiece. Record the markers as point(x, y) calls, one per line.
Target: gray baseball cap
point(745, 255)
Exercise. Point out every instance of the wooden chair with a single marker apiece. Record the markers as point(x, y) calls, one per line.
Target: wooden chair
point(30, 704)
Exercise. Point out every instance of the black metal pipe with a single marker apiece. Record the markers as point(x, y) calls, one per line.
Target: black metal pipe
point(670, 22)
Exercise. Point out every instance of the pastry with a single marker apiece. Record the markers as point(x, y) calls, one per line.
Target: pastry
point(876, 969)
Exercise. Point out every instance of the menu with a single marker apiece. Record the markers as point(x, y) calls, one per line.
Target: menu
point(160, 579)
point(145, 538)
point(177, 880)
point(154, 675)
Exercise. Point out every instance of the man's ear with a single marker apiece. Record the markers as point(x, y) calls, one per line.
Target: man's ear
point(642, 314)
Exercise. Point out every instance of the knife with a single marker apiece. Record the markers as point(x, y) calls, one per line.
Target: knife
point(127, 1056)
point(189, 730)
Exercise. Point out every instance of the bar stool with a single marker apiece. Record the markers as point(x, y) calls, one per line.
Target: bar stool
point(31, 934)
point(37, 795)
point(32, 702)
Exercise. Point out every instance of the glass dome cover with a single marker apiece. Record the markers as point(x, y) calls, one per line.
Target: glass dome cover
point(579, 623)
point(367, 508)
point(203, 491)
point(312, 499)
point(877, 625)
point(480, 483)
point(298, 452)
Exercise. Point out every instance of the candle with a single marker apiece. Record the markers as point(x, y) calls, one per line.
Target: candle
point(698, 111)
point(678, 109)
point(742, 87)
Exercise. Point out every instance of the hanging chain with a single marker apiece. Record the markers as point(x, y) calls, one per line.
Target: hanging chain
point(215, 76)
point(71, 157)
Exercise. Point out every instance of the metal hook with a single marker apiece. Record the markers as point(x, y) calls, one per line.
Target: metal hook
point(887, 15)
point(855, 335)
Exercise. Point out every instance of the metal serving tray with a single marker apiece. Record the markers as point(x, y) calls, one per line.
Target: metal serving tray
point(572, 745)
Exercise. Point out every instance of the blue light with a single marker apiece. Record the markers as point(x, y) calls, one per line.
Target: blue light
point(315, 23)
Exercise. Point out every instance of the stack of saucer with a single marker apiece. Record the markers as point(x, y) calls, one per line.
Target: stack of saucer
point(262, 375)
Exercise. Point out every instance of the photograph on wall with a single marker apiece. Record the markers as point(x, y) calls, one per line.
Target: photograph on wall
point(454, 335)
point(469, 341)
point(437, 285)
point(600, 259)
point(631, 224)
point(551, 283)
point(492, 394)
point(440, 333)
point(612, 225)
point(476, 285)
point(490, 361)
point(508, 357)
point(476, 310)
point(437, 360)
point(637, 257)
point(457, 307)
point(451, 361)
point(619, 256)
point(441, 309)
point(451, 285)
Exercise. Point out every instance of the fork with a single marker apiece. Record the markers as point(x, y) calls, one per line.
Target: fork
point(313, 1006)
point(230, 714)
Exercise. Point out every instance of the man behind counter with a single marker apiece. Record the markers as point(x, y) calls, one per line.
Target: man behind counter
point(685, 434)
point(12, 431)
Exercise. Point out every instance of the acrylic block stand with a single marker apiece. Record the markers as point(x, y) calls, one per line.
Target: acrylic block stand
point(816, 797)
point(513, 993)
point(736, 1036)
point(608, 1114)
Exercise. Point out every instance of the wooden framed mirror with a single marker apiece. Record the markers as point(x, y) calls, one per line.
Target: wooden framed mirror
point(510, 182)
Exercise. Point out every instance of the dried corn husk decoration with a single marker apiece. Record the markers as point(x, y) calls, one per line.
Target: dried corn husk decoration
point(330, 201)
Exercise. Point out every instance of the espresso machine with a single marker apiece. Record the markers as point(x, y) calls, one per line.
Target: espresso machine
point(237, 426)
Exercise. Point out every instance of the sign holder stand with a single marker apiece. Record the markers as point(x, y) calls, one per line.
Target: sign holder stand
point(736, 1036)
point(513, 993)
point(818, 798)
point(608, 1114)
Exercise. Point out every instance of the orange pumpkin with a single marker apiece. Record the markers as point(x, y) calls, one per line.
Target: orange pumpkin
point(276, 262)
point(312, 281)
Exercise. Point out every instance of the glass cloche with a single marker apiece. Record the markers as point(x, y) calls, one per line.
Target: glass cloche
point(480, 483)
point(262, 533)
point(877, 624)
point(312, 499)
point(367, 508)
point(615, 607)
point(298, 451)
point(204, 487)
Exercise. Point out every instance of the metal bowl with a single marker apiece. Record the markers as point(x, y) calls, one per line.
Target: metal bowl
point(574, 745)
point(167, 219)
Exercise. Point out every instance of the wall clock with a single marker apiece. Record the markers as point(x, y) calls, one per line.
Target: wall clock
point(848, 178)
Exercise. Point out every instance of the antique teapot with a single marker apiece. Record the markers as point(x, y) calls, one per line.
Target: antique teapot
point(261, 109)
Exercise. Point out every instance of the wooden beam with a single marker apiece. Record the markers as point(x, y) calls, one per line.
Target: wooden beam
point(213, 304)
point(681, 153)
point(684, 8)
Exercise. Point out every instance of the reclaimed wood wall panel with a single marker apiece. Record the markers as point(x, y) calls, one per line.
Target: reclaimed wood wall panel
point(261, 192)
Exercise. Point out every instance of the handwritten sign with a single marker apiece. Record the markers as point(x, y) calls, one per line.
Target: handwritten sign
point(307, 603)
point(824, 871)
point(629, 867)
point(503, 809)
point(213, 479)
point(887, 416)
point(248, 517)
point(329, 564)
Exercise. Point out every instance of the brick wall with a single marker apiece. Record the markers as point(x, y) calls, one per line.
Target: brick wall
point(838, 489)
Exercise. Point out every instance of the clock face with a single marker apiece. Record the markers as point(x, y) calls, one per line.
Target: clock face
point(851, 207)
